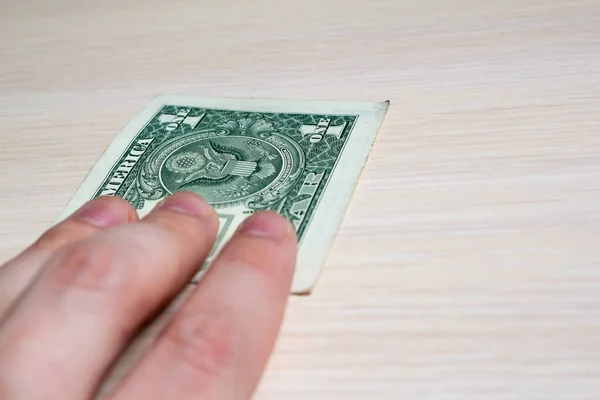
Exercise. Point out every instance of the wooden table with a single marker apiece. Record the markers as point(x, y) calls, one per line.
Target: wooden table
point(468, 264)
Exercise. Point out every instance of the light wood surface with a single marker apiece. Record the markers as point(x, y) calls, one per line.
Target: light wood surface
point(468, 264)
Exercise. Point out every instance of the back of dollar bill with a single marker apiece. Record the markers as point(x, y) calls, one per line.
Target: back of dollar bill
point(301, 159)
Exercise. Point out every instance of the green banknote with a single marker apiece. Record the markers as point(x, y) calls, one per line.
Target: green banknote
point(301, 159)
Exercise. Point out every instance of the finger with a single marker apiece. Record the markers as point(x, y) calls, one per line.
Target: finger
point(93, 216)
point(93, 295)
point(217, 345)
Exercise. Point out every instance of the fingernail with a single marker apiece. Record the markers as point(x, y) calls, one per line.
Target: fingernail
point(100, 213)
point(267, 224)
point(187, 203)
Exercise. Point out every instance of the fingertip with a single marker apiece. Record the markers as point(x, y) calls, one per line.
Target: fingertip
point(130, 210)
point(106, 211)
point(265, 243)
point(268, 224)
point(188, 203)
point(187, 217)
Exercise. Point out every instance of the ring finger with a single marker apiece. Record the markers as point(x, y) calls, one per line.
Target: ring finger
point(91, 297)
point(98, 214)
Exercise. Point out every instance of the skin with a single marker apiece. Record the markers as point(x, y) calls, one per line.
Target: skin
point(72, 301)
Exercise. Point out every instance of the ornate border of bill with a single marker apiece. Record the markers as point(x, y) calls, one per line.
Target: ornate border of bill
point(300, 158)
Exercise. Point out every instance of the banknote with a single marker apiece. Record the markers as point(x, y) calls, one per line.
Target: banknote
point(299, 158)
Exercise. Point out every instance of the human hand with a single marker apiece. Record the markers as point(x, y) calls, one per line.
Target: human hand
point(72, 301)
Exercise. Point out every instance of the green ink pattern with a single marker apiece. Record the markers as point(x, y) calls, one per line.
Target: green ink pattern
point(257, 161)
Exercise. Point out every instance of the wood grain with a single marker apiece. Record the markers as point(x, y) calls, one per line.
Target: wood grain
point(468, 264)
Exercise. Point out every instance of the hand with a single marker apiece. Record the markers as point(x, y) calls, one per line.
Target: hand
point(71, 302)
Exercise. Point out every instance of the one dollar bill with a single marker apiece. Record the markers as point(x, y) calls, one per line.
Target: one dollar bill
point(301, 159)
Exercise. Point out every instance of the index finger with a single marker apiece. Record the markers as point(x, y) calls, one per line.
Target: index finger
point(218, 343)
